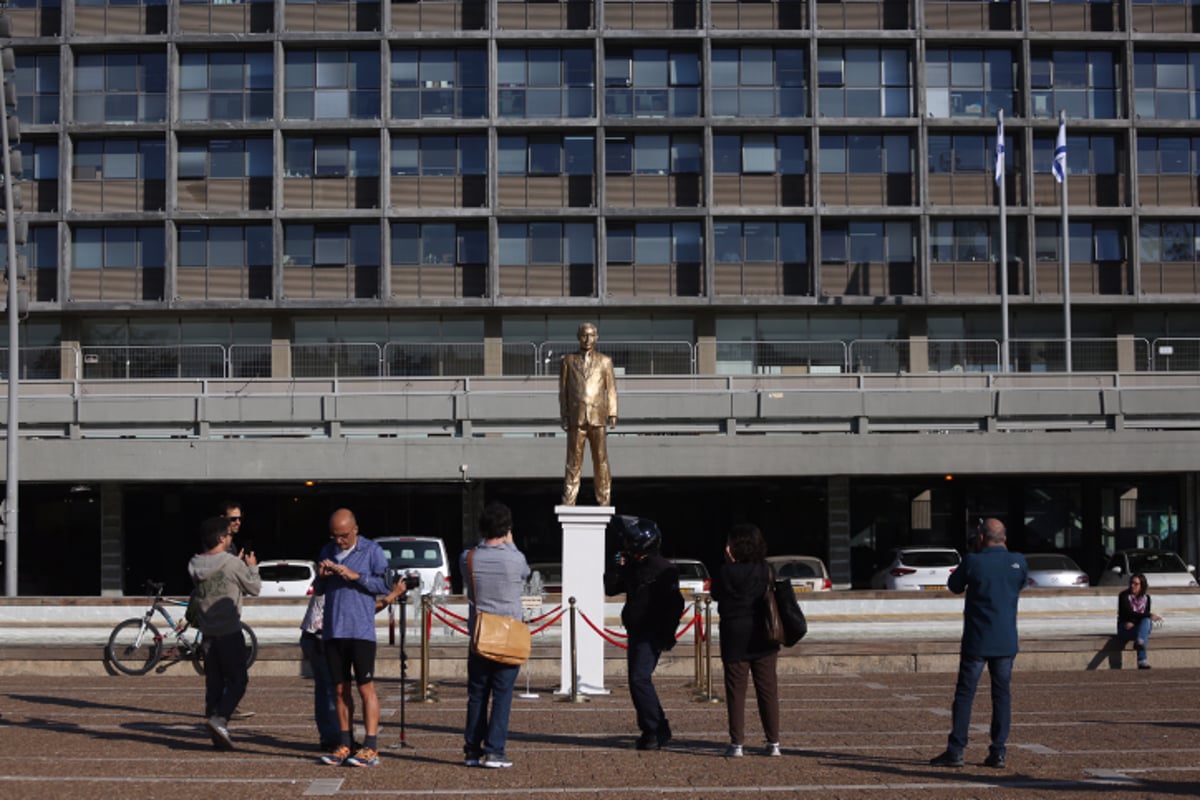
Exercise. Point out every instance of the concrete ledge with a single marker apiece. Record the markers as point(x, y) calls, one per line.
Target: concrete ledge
point(1066, 654)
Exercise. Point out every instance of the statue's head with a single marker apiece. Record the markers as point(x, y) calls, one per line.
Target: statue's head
point(587, 334)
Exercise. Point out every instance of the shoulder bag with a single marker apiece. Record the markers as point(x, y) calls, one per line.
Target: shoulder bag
point(795, 626)
point(772, 623)
point(496, 637)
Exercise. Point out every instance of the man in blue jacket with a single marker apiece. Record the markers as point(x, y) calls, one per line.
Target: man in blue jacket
point(993, 578)
point(351, 572)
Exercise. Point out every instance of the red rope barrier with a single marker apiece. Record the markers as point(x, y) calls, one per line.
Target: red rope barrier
point(548, 613)
point(450, 613)
point(601, 633)
point(686, 628)
point(437, 613)
point(548, 624)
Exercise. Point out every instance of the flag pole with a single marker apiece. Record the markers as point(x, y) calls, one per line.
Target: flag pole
point(1004, 362)
point(1061, 149)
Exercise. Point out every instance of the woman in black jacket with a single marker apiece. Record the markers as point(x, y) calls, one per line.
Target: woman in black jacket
point(739, 591)
point(1134, 619)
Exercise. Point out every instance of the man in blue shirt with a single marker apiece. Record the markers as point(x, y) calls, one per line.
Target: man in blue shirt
point(993, 578)
point(351, 572)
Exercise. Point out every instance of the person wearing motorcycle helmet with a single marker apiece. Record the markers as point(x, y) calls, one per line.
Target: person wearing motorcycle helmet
point(653, 607)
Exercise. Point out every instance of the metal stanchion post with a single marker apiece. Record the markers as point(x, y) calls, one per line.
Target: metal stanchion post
point(697, 644)
point(708, 676)
point(574, 696)
point(428, 695)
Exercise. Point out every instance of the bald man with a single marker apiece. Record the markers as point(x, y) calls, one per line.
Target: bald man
point(351, 572)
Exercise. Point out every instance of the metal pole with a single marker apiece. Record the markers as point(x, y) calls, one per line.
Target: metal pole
point(574, 696)
point(708, 679)
point(11, 484)
point(427, 693)
point(1066, 259)
point(1001, 178)
point(697, 645)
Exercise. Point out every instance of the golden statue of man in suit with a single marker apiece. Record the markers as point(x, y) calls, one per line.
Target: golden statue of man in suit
point(587, 403)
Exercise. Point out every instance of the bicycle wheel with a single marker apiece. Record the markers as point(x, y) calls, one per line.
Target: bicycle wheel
point(134, 647)
point(248, 636)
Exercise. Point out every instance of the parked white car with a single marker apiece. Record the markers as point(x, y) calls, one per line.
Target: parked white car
point(1054, 571)
point(693, 576)
point(1161, 568)
point(284, 578)
point(807, 573)
point(918, 568)
point(424, 555)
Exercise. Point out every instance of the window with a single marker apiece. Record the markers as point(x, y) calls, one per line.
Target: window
point(969, 154)
point(523, 244)
point(652, 83)
point(1167, 241)
point(225, 158)
point(1166, 84)
point(331, 245)
point(225, 245)
point(654, 243)
point(331, 84)
point(865, 155)
point(759, 153)
point(331, 157)
point(963, 240)
point(119, 159)
point(652, 154)
point(436, 83)
point(549, 154)
point(121, 87)
point(114, 247)
point(740, 241)
point(759, 82)
point(1083, 83)
point(861, 242)
point(545, 83)
point(39, 160)
point(439, 155)
point(1168, 155)
point(1090, 241)
point(224, 86)
point(439, 243)
point(1086, 155)
point(863, 81)
point(37, 82)
point(968, 82)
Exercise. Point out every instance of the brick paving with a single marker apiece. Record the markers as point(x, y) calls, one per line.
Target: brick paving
point(1084, 734)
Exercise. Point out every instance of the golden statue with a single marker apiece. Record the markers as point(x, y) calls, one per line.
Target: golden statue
point(587, 403)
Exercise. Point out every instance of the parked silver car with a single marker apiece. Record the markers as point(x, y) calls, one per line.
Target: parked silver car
point(1161, 568)
point(1054, 571)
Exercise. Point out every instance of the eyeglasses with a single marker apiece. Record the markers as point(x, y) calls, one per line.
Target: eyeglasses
point(234, 519)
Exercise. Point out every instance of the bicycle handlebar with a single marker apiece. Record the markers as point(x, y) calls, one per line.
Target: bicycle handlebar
point(155, 588)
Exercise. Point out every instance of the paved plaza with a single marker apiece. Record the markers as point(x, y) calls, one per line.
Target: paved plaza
point(1124, 732)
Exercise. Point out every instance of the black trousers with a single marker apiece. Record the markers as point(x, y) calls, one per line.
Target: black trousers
point(225, 674)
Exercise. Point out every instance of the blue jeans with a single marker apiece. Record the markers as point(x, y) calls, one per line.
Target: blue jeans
point(641, 659)
point(488, 679)
point(324, 698)
point(1139, 632)
point(969, 670)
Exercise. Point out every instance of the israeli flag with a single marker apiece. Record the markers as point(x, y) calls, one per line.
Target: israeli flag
point(999, 151)
point(1060, 153)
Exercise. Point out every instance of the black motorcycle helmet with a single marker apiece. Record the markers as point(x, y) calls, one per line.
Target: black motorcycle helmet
point(639, 536)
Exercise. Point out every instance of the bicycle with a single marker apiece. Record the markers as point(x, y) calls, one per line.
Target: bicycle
point(135, 645)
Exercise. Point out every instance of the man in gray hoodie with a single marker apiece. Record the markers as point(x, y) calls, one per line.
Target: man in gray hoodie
point(221, 580)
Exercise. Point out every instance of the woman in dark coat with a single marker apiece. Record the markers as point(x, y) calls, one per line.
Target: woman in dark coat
point(1134, 619)
point(739, 591)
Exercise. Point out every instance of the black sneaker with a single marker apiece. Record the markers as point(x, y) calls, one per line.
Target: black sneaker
point(663, 736)
point(994, 760)
point(947, 759)
point(647, 741)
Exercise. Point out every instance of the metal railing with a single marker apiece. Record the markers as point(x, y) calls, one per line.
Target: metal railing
point(631, 358)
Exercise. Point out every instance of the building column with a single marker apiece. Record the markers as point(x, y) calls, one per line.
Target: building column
point(112, 540)
point(837, 507)
point(706, 345)
point(493, 347)
point(472, 507)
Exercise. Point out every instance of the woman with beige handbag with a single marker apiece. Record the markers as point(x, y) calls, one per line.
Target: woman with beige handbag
point(493, 573)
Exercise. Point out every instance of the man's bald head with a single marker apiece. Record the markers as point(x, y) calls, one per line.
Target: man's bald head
point(343, 528)
point(993, 532)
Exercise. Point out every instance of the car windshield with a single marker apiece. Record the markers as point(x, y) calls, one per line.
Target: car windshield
point(929, 558)
point(797, 569)
point(285, 572)
point(1050, 561)
point(412, 554)
point(1155, 562)
point(693, 571)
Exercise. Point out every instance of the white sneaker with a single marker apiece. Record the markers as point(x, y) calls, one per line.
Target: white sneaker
point(733, 751)
point(772, 749)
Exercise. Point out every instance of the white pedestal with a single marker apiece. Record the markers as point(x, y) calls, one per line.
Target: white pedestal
point(583, 578)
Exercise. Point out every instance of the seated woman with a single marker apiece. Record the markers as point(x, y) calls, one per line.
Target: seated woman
point(1134, 619)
